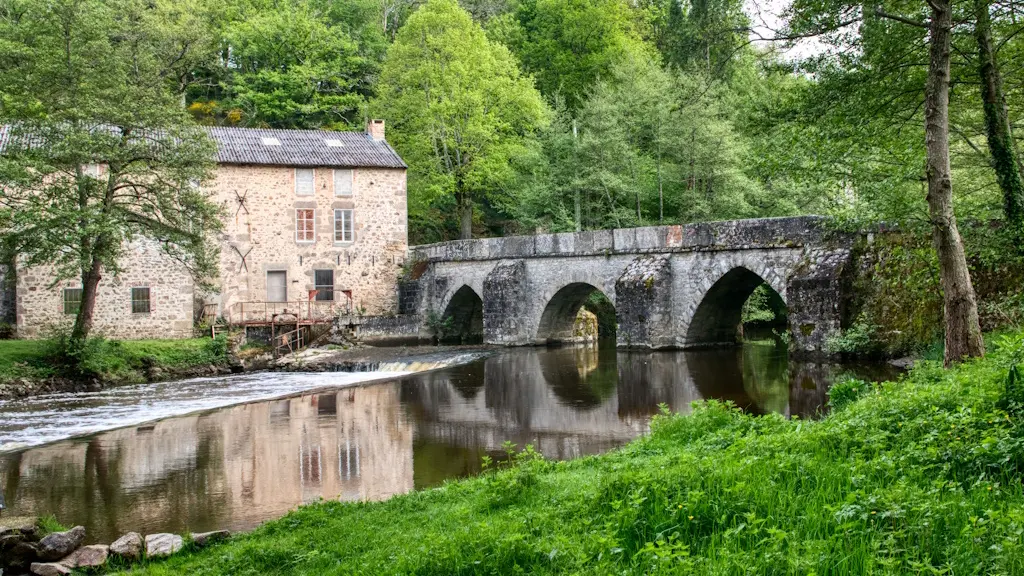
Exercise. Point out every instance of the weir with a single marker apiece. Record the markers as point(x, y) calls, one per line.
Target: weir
point(671, 286)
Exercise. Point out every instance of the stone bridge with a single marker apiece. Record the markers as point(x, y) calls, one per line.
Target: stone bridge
point(672, 286)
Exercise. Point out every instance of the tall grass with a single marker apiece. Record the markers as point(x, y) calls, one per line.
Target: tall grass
point(921, 476)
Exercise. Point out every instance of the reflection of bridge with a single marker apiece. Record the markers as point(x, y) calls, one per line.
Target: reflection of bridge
point(672, 286)
point(569, 402)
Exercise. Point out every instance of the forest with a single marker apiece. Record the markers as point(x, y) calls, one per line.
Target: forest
point(518, 116)
point(526, 116)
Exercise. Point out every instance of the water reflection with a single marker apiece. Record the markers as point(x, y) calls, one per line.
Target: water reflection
point(238, 466)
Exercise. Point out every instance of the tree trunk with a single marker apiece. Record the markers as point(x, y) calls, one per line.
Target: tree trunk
point(997, 123)
point(90, 284)
point(465, 215)
point(963, 331)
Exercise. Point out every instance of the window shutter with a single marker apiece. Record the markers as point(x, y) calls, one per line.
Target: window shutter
point(304, 181)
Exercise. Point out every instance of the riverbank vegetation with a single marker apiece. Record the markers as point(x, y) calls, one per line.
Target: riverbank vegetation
point(922, 475)
point(29, 364)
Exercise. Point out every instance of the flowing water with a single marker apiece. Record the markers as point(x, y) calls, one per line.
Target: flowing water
point(233, 452)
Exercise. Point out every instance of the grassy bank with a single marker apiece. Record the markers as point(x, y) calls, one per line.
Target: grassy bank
point(108, 360)
point(919, 476)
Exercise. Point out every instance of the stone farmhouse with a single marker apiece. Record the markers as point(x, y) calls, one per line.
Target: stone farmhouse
point(315, 225)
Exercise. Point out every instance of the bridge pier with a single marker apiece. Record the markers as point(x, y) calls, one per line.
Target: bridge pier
point(505, 305)
point(644, 307)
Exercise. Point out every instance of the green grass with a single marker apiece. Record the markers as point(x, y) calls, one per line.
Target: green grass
point(110, 359)
point(920, 476)
point(23, 358)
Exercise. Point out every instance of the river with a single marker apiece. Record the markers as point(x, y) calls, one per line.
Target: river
point(233, 452)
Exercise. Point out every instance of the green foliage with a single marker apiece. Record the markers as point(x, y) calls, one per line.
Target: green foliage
point(567, 45)
point(764, 306)
point(861, 339)
point(290, 66)
point(48, 524)
point(459, 112)
point(898, 308)
point(845, 392)
point(75, 93)
point(921, 475)
point(114, 360)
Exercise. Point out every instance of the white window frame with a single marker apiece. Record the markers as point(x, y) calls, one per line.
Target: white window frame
point(351, 222)
point(312, 189)
point(297, 229)
point(351, 182)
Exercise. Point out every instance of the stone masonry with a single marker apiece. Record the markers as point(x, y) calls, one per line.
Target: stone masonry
point(673, 286)
point(255, 186)
point(40, 305)
point(262, 229)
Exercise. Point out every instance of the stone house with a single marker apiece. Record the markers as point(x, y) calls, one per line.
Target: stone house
point(315, 224)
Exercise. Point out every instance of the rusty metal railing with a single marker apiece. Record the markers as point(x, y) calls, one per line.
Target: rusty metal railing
point(301, 311)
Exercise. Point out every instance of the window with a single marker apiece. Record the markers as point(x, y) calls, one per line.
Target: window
point(72, 300)
point(323, 281)
point(91, 170)
point(277, 286)
point(270, 141)
point(304, 181)
point(334, 143)
point(343, 226)
point(305, 225)
point(342, 182)
point(140, 300)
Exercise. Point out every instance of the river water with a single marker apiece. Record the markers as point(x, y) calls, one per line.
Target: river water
point(233, 452)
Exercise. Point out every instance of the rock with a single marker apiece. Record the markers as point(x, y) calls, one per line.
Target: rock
point(59, 544)
point(92, 556)
point(204, 539)
point(27, 525)
point(19, 556)
point(128, 546)
point(49, 569)
point(905, 363)
point(158, 545)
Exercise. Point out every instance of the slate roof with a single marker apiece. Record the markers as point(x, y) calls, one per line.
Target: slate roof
point(302, 148)
point(297, 148)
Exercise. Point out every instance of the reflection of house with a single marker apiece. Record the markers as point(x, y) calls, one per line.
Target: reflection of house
point(232, 468)
point(303, 210)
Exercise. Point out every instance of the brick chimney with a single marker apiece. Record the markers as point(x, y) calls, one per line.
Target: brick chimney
point(375, 128)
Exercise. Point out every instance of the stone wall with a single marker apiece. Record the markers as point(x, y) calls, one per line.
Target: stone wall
point(40, 306)
point(391, 329)
point(259, 236)
point(672, 286)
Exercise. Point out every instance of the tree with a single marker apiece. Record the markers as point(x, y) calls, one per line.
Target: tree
point(88, 83)
point(459, 111)
point(997, 122)
point(568, 44)
point(286, 66)
point(883, 35)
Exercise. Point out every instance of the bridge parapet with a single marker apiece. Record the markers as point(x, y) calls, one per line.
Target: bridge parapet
point(788, 232)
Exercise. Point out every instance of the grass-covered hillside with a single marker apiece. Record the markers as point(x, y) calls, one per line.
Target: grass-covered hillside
point(921, 476)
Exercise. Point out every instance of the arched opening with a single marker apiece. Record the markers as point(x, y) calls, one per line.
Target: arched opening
point(578, 312)
point(463, 319)
point(738, 306)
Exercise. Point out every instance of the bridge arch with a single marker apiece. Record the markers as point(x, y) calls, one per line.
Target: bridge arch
point(717, 320)
point(463, 317)
point(560, 311)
